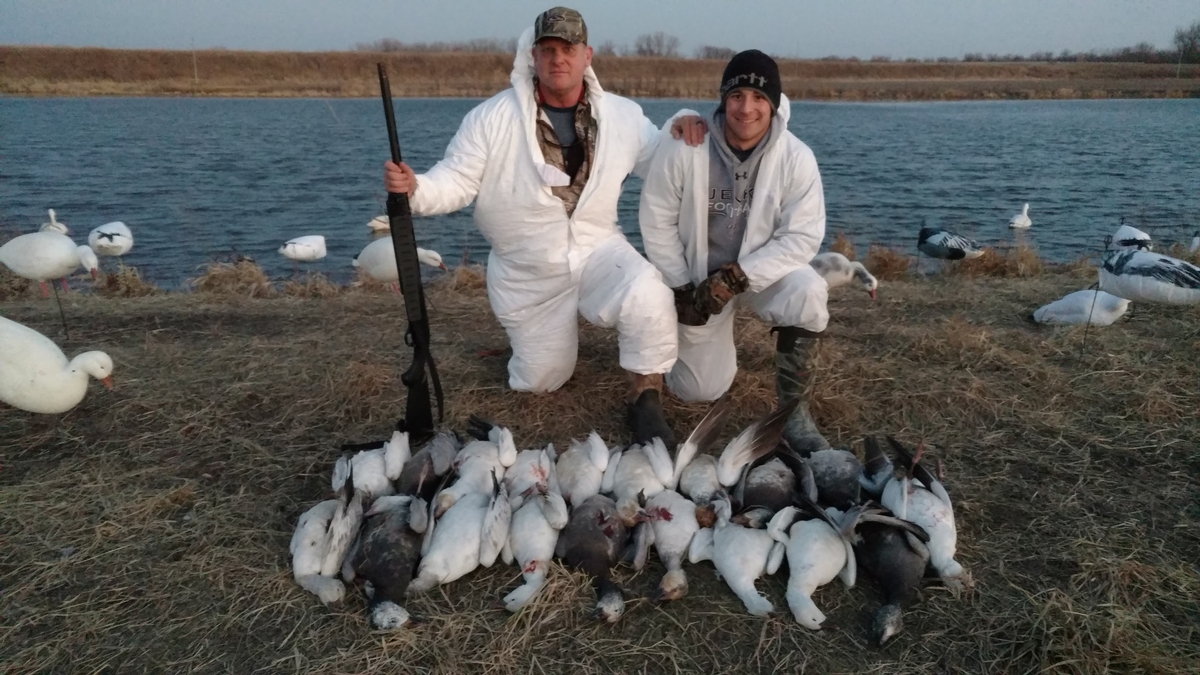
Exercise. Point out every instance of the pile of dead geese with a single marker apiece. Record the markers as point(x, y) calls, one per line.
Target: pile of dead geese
point(404, 522)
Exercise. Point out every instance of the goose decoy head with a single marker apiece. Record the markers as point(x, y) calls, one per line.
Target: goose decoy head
point(887, 623)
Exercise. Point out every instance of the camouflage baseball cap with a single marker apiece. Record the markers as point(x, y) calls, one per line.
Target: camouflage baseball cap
point(563, 23)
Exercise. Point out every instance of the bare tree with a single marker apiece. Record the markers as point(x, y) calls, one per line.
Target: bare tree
point(656, 44)
point(711, 52)
point(1187, 41)
point(609, 48)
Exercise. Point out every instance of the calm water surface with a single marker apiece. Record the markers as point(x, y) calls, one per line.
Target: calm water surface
point(197, 178)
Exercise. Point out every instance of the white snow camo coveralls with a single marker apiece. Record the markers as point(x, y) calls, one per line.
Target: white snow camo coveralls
point(784, 231)
point(545, 268)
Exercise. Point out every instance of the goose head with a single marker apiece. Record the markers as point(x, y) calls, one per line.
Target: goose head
point(611, 606)
point(673, 586)
point(97, 364)
point(88, 260)
point(431, 258)
point(387, 615)
point(888, 622)
point(869, 282)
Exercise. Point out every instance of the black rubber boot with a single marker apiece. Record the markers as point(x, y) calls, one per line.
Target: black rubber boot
point(646, 418)
point(793, 380)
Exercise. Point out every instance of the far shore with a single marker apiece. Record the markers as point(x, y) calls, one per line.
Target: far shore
point(62, 71)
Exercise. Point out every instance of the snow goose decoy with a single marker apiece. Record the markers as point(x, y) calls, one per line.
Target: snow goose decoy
point(936, 242)
point(88, 260)
point(471, 533)
point(532, 537)
point(1195, 246)
point(41, 256)
point(1142, 276)
point(111, 239)
point(741, 555)
point(593, 542)
point(1094, 307)
point(1021, 221)
point(838, 270)
point(36, 376)
point(309, 544)
point(1128, 238)
point(387, 555)
point(893, 551)
point(580, 470)
point(918, 497)
point(53, 225)
point(378, 260)
point(304, 249)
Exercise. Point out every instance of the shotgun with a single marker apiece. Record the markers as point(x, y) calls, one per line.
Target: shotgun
point(418, 413)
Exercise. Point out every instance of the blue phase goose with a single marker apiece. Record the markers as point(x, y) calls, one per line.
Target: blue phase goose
point(895, 553)
point(593, 542)
point(1142, 276)
point(936, 242)
point(387, 554)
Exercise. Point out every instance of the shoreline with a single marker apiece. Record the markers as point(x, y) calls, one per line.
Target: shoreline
point(90, 72)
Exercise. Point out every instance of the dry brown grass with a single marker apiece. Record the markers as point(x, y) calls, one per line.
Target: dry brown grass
point(242, 277)
point(312, 285)
point(126, 282)
point(147, 530)
point(81, 71)
point(1020, 261)
point(888, 264)
point(1180, 250)
point(844, 246)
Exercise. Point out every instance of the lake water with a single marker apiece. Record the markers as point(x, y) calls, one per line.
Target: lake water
point(197, 178)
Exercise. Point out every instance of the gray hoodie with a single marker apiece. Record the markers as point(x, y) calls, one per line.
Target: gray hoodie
point(730, 192)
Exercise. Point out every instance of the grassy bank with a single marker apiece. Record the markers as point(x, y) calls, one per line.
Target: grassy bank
point(147, 530)
point(58, 71)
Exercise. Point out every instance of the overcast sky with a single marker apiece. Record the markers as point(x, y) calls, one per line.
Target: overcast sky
point(804, 28)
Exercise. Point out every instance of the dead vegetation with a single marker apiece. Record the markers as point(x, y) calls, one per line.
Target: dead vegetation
point(843, 245)
point(1020, 261)
point(147, 530)
point(888, 264)
point(126, 282)
point(241, 276)
point(57, 71)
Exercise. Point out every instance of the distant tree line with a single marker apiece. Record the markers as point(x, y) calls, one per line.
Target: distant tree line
point(664, 45)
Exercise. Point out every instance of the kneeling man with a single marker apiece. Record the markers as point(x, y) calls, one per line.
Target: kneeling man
point(735, 221)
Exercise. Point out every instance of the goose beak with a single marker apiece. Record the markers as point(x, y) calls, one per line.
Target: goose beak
point(108, 382)
point(95, 274)
point(872, 293)
point(444, 268)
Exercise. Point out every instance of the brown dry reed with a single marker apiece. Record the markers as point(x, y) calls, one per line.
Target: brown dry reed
point(147, 530)
point(843, 245)
point(1018, 261)
point(83, 71)
point(126, 282)
point(888, 264)
point(243, 277)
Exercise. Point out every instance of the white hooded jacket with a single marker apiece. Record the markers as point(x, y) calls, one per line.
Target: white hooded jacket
point(783, 231)
point(495, 159)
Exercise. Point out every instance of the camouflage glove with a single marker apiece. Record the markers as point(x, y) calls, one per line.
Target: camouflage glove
point(685, 306)
point(719, 288)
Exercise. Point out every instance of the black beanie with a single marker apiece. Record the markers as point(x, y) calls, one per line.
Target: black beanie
point(755, 70)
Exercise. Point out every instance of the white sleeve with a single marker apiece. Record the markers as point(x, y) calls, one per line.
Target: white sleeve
point(799, 229)
point(453, 182)
point(651, 136)
point(658, 213)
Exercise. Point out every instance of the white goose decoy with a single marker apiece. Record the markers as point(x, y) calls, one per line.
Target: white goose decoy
point(1142, 276)
point(838, 270)
point(1021, 221)
point(111, 239)
point(36, 376)
point(1095, 307)
point(936, 242)
point(41, 256)
point(471, 533)
point(309, 544)
point(307, 248)
point(1195, 246)
point(88, 260)
point(380, 224)
point(54, 226)
point(532, 538)
point(1131, 239)
point(580, 470)
point(741, 555)
point(917, 496)
point(378, 260)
